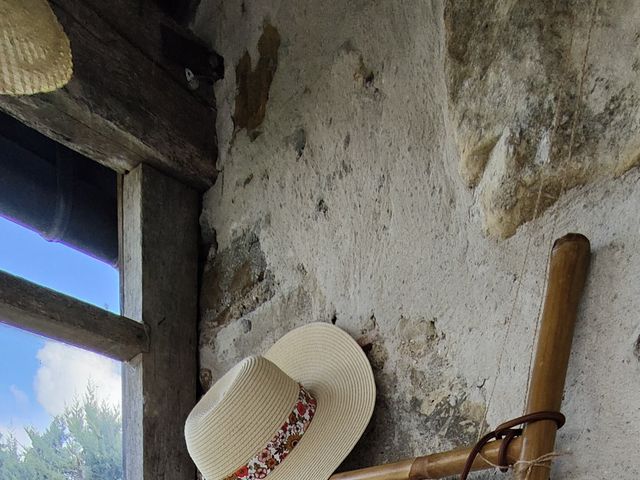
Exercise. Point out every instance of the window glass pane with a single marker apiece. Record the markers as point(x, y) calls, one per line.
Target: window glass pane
point(26, 254)
point(63, 400)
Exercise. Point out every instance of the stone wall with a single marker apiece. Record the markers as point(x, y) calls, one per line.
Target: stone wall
point(401, 169)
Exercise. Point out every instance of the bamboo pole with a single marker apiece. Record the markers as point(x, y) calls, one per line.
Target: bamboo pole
point(567, 274)
point(440, 465)
point(436, 465)
point(568, 266)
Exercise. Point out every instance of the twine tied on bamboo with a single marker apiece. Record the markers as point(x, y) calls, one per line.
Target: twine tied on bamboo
point(541, 461)
point(507, 432)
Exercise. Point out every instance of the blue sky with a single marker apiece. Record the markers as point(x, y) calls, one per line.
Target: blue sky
point(22, 355)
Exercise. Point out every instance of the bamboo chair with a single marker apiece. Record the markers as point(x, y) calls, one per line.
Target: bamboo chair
point(528, 451)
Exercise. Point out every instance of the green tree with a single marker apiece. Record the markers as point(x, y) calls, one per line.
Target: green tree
point(84, 443)
point(10, 465)
point(96, 432)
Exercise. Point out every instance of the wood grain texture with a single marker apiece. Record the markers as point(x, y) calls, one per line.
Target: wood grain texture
point(39, 310)
point(159, 284)
point(123, 106)
point(142, 24)
point(567, 274)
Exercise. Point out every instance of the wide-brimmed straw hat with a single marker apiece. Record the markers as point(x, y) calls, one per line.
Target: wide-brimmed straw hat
point(294, 413)
point(35, 55)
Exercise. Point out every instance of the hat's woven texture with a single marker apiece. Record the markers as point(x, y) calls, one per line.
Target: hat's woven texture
point(35, 55)
point(243, 410)
point(255, 396)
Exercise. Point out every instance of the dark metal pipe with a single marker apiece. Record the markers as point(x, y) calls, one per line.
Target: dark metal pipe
point(56, 192)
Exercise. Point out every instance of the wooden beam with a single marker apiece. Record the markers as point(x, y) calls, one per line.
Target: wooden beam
point(122, 107)
point(143, 25)
point(159, 258)
point(39, 310)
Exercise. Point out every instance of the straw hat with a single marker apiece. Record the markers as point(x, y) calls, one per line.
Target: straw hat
point(35, 55)
point(292, 414)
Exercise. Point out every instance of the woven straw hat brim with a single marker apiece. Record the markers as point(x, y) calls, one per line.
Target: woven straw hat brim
point(35, 54)
point(330, 364)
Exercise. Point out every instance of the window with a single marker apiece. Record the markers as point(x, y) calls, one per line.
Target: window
point(65, 398)
point(157, 250)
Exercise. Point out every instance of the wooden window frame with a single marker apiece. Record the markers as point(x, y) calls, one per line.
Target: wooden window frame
point(155, 338)
point(128, 107)
point(159, 285)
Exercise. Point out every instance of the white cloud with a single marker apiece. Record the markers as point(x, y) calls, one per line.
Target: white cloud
point(21, 398)
point(65, 371)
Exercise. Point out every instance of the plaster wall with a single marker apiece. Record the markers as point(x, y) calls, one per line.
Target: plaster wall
point(347, 194)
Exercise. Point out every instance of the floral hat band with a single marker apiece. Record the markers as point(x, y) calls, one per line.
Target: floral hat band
point(285, 440)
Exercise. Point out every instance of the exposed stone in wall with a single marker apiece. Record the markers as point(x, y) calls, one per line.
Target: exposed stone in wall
point(544, 97)
point(411, 399)
point(349, 207)
point(236, 281)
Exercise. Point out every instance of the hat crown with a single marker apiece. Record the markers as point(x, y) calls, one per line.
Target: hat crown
point(238, 416)
point(34, 50)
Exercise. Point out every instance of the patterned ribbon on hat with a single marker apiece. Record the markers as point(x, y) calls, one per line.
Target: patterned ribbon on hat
point(285, 440)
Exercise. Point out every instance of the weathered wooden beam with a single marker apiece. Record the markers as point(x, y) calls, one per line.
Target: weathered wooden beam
point(159, 258)
point(146, 26)
point(122, 107)
point(39, 310)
